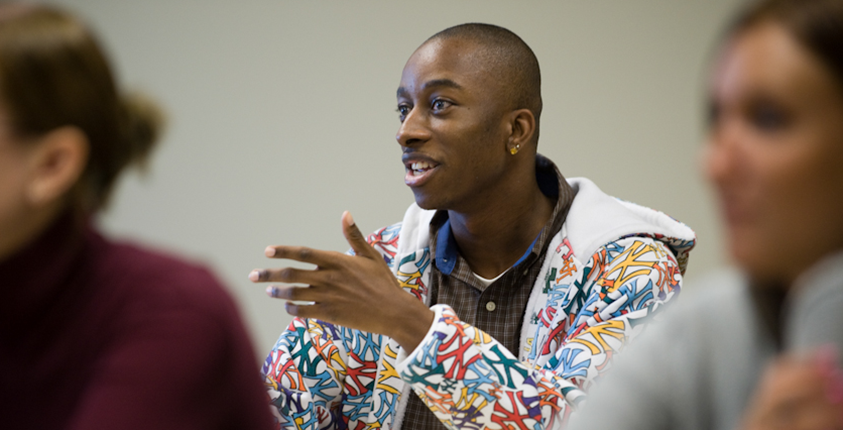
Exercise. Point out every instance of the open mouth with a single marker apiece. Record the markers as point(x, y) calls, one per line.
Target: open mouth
point(418, 168)
point(418, 172)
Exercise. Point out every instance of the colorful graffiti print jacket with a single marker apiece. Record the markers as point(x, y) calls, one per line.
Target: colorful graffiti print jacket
point(611, 267)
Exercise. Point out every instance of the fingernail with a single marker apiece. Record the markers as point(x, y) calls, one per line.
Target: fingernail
point(350, 219)
point(269, 251)
point(255, 276)
point(271, 291)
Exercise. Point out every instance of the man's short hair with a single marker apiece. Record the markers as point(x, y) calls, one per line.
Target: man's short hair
point(507, 58)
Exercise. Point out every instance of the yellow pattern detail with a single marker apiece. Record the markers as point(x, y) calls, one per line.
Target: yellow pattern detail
point(464, 403)
point(612, 328)
point(388, 371)
point(481, 337)
point(409, 281)
point(629, 260)
point(529, 344)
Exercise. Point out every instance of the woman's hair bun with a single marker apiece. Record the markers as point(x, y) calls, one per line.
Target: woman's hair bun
point(53, 73)
point(143, 124)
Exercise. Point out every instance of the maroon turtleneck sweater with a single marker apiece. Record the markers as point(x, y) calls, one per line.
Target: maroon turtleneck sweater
point(100, 335)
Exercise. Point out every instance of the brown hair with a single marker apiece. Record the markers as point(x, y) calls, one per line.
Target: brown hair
point(816, 24)
point(53, 74)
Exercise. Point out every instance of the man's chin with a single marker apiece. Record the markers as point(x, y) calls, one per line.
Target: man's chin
point(425, 201)
point(424, 204)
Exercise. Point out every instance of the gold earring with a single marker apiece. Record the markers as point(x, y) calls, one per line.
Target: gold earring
point(514, 149)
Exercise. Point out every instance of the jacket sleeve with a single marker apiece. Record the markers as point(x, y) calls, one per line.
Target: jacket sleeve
point(304, 373)
point(469, 380)
point(307, 372)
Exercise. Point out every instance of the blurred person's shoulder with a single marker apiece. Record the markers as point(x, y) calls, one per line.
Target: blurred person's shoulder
point(712, 309)
point(722, 288)
point(155, 280)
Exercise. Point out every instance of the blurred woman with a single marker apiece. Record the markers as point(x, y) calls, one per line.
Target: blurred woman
point(758, 348)
point(97, 334)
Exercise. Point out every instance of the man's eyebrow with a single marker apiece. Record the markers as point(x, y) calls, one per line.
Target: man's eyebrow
point(442, 83)
point(430, 84)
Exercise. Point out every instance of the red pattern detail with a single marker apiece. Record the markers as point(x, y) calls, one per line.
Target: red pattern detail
point(367, 369)
point(458, 368)
point(547, 316)
point(506, 419)
point(564, 244)
point(388, 247)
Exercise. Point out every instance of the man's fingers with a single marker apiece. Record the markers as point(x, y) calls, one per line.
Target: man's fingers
point(299, 300)
point(288, 292)
point(303, 254)
point(303, 311)
point(354, 237)
point(288, 275)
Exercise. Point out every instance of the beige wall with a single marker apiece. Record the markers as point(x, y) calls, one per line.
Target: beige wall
point(283, 115)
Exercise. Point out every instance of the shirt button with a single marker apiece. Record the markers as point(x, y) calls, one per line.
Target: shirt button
point(490, 306)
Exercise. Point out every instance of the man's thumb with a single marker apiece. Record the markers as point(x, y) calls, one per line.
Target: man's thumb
point(353, 236)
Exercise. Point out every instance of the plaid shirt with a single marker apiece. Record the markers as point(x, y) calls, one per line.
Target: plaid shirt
point(499, 308)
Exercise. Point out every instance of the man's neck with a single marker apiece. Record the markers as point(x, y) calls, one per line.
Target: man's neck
point(493, 240)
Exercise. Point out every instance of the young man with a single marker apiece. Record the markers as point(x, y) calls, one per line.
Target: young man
point(522, 285)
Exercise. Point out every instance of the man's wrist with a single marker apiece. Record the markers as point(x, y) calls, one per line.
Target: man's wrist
point(411, 325)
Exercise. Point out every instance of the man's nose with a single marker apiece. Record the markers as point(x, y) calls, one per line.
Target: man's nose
point(413, 129)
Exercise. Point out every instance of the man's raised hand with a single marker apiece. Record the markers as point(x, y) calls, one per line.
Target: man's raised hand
point(358, 291)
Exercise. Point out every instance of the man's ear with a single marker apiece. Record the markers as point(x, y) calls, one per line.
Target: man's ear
point(523, 128)
point(56, 165)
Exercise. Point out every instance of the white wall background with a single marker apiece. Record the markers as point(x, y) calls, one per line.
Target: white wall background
point(283, 115)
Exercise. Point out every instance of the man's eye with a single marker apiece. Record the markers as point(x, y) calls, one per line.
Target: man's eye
point(403, 111)
point(440, 104)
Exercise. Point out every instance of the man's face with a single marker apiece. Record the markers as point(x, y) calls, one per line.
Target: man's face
point(453, 127)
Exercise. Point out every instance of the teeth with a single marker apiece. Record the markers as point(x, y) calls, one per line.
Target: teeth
point(420, 165)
